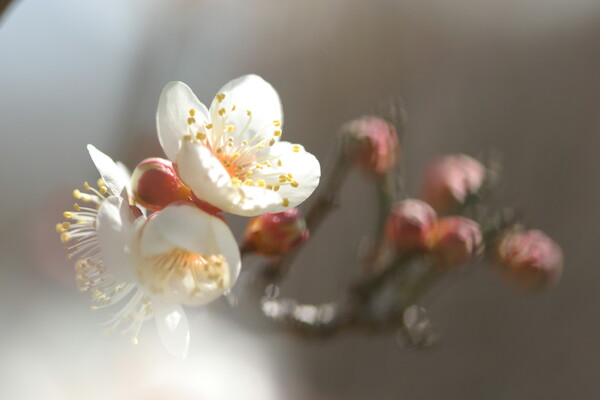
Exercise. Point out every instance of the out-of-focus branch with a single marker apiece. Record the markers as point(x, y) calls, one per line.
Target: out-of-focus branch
point(356, 312)
point(4, 6)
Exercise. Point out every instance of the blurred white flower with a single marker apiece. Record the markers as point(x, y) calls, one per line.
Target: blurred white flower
point(180, 255)
point(231, 155)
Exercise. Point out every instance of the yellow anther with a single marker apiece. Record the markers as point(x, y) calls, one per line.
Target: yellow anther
point(249, 113)
point(66, 225)
point(296, 149)
point(230, 128)
point(286, 202)
point(279, 163)
point(249, 182)
point(272, 142)
point(236, 181)
point(65, 237)
point(68, 214)
point(200, 135)
point(277, 122)
point(260, 146)
point(233, 107)
point(239, 167)
point(261, 183)
point(276, 187)
point(235, 156)
point(59, 228)
point(267, 164)
point(270, 187)
point(208, 126)
point(277, 133)
point(258, 166)
point(100, 182)
point(103, 189)
point(191, 120)
point(248, 174)
point(188, 138)
point(192, 112)
point(244, 143)
point(222, 111)
point(283, 178)
point(219, 150)
point(290, 176)
point(86, 186)
point(220, 97)
point(294, 184)
point(76, 207)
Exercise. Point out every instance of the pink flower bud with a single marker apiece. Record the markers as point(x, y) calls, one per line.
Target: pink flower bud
point(529, 259)
point(275, 234)
point(155, 184)
point(373, 142)
point(408, 225)
point(450, 179)
point(453, 241)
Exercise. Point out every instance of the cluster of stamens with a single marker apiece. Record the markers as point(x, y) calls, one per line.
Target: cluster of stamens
point(80, 236)
point(185, 273)
point(242, 159)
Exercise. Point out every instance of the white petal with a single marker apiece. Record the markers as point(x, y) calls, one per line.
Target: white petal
point(172, 325)
point(208, 179)
point(114, 226)
point(248, 93)
point(172, 116)
point(303, 166)
point(125, 176)
point(255, 201)
point(152, 242)
point(109, 171)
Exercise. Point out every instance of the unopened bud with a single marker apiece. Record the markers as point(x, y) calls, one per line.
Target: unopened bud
point(372, 142)
point(408, 225)
point(155, 184)
point(530, 259)
point(449, 180)
point(275, 234)
point(453, 241)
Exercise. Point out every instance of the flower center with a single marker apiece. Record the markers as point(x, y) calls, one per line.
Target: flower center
point(189, 278)
point(248, 160)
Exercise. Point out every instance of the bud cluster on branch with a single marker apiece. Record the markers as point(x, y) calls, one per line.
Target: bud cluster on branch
point(420, 240)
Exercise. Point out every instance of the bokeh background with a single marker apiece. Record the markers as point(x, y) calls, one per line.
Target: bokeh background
point(516, 77)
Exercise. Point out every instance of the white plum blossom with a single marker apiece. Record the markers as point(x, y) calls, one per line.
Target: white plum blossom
point(231, 155)
point(179, 255)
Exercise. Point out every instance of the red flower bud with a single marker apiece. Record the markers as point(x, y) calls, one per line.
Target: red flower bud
point(449, 180)
point(453, 241)
point(530, 259)
point(155, 184)
point(275, 234)
point(408, 225)
point(373, 142)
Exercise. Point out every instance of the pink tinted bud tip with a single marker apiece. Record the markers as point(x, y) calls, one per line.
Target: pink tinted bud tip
point(449, 180)
point(408, 225)
point(373, 142)
point(453, 241)
point(276, 234)
point(530, 260)
point(155, 184)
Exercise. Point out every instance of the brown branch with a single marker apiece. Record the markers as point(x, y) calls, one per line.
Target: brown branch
point(4, 6)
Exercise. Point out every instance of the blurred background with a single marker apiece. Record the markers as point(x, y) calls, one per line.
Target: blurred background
point(520, 77)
